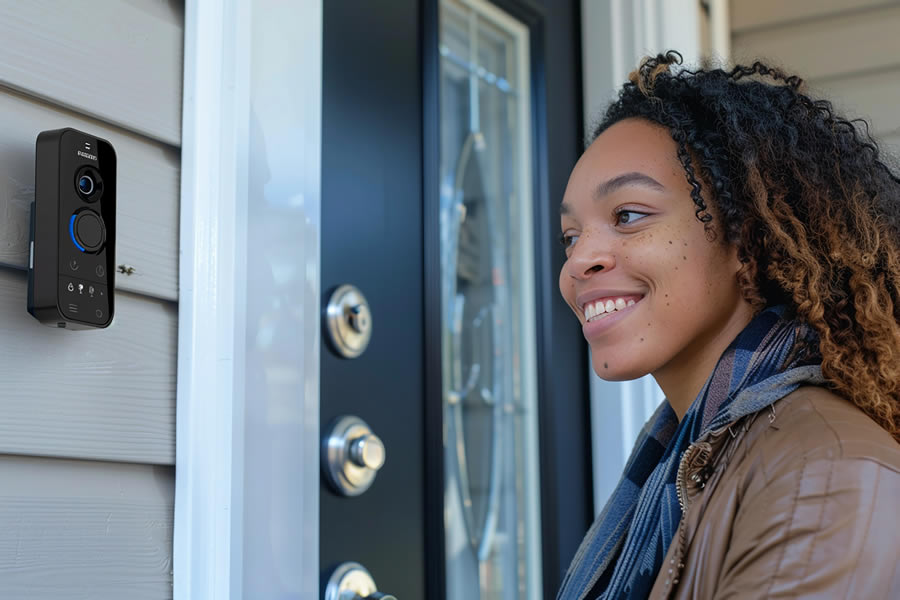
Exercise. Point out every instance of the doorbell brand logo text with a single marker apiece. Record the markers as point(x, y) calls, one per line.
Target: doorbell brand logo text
point(86, 155)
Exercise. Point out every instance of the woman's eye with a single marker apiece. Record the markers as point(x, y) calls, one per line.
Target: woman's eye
point(568, 240)
point(628, 216)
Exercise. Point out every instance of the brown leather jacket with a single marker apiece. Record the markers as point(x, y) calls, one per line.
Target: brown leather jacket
point(801, 500)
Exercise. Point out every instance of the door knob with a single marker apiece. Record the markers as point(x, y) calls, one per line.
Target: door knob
point(351, 581)
point(351, 455)
point(367, 451)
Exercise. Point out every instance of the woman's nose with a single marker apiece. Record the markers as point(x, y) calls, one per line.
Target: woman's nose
point(589, 256)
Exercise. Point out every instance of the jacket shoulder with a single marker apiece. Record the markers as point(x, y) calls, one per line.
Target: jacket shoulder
point(814, 423)
point(811, 506)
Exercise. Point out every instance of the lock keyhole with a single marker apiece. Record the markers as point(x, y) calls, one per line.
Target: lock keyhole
point(359, 318)
point(348, 320)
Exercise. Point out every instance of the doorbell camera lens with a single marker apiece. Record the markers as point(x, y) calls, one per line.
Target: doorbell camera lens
point(89, 184)
point(86, 185)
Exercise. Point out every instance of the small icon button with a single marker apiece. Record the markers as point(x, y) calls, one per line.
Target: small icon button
point(100, 271)
point(80, 288)
point(99, 313)
point(73, 264)
point(71, 287)
point(73, 308)
point(91, 291)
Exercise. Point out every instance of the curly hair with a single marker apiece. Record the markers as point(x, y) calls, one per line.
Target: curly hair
point(808, 199)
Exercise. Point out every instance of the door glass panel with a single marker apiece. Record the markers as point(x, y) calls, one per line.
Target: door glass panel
point(491, 493)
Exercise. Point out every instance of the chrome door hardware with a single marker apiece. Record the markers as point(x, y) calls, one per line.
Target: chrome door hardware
point(351, 581)
point(351, 455)
point(349, 321)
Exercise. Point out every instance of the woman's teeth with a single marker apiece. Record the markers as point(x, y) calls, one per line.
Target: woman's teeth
point(604, 308)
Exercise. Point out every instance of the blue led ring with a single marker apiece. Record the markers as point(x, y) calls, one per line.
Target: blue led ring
point(72, 233)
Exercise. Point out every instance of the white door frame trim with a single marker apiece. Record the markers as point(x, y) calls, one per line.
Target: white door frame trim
point(210, 323)
point(229, 67)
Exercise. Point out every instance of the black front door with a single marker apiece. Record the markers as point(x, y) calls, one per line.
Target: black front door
point(463, 418)
point(372, 216)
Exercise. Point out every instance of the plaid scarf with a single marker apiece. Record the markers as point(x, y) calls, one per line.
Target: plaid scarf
point(624, 548)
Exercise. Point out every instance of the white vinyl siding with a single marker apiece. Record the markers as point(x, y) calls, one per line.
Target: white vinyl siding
point(118, 61)
point(847, 50)
point(85, 529)
point(87, 433)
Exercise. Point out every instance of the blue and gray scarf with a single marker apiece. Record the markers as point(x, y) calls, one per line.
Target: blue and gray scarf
point(624, 549)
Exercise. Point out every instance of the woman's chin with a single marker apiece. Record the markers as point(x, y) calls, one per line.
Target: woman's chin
point(610, 369)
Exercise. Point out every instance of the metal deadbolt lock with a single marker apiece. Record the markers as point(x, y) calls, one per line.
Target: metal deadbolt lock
point(351, 455)
point(351, 581)
point(349, 321)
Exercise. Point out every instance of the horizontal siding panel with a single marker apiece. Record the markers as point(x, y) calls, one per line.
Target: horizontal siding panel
point(82, 530)
point(891, 144)
point(750, 14)
point(148, 193)
point(117, 60)
point(873, 96)
point(834, 47)
point(104, 394)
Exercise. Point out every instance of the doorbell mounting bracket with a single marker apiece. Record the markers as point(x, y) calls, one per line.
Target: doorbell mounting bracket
point(71, 267)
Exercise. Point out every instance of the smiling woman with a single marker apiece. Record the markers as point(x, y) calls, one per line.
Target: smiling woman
point(631, 235)
point(740, 242)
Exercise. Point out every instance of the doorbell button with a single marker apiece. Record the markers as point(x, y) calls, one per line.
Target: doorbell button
point(86, 228)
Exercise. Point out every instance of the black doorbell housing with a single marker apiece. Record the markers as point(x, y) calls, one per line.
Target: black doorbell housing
point(71, 268)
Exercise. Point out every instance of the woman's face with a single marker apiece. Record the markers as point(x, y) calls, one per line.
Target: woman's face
point(652, 292)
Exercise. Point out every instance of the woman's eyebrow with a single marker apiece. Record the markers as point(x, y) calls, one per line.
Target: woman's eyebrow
point(619, 181)
point(626, 179)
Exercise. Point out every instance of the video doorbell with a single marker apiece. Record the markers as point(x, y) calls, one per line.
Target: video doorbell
point(73, 231)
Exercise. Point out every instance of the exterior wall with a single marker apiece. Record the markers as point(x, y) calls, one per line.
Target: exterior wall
point(847, 50)
point(87, 433)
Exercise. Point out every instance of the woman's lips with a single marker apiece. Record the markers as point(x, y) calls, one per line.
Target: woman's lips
point(602, 323)
point(589, 297)
point(603, 306)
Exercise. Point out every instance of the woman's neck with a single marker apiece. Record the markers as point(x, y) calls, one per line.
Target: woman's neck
point(682, 378)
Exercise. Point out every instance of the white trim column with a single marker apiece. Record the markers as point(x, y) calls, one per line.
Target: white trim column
point(615, 35)
point(720, 30)
point(209, 404)
point(247, 413)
